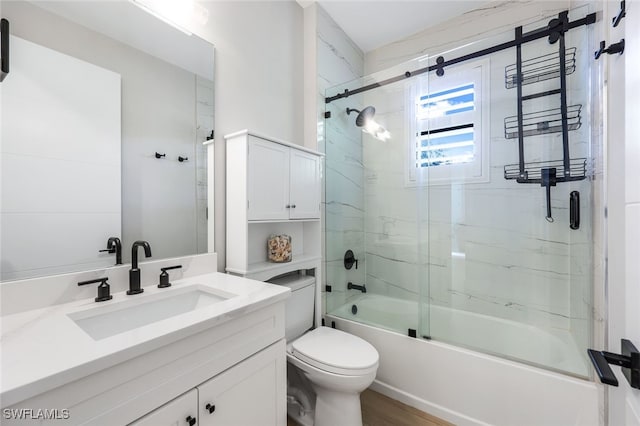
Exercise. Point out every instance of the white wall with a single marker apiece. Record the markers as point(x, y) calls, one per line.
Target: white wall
point(258, 79)
point(623, 200)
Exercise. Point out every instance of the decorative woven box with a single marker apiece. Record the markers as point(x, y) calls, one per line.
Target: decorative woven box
point(279, 248)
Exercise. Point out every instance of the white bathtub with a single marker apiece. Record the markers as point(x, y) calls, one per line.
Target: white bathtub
point(469, 387)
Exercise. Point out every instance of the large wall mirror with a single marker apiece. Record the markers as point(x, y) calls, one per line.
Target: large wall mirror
point(104, 114)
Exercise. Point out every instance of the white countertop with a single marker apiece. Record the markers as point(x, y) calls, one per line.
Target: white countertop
point(44, 348)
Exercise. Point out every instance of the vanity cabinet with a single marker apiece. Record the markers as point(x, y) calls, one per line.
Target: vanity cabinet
point(282, 183)
point(181, 411)
point(249, 393)
point(273, 187)
point(238, 364)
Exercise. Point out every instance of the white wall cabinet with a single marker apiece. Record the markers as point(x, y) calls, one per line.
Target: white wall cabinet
point(283, 182)
point(273, 187)
point(268, 180)
point(304, 185)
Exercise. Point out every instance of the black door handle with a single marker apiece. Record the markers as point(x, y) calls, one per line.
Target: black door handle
point(601, 365)
point(629, 360)
point(211, 408)
point(191, 421)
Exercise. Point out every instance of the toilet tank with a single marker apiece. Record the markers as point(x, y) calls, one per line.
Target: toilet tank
point(299, 307)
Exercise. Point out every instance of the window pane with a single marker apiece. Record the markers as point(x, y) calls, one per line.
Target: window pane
point(447, 102)
point(452, 147)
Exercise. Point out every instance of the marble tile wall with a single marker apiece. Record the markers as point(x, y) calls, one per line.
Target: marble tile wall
point(204, 124)
point(339, 60)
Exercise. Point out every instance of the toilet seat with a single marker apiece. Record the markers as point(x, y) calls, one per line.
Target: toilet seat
point(336, 352)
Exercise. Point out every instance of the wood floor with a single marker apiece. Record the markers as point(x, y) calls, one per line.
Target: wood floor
point(380, 410)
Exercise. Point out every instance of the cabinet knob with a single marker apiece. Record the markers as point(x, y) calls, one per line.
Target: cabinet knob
point(191, 421)
point(293, 206)
point(288, 206)
point(211, 408)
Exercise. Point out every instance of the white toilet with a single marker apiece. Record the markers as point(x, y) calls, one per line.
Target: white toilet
point(338, 365)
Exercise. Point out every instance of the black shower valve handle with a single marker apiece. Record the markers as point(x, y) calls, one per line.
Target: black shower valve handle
point(350, 260)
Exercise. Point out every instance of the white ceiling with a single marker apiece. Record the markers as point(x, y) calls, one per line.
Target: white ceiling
point(127, 23)
point(375, 23)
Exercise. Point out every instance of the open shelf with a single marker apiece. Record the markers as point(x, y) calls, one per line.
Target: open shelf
point(545, 67)
point(533, 171)
point(271, 269)
point(285, 220)
point(543, 122)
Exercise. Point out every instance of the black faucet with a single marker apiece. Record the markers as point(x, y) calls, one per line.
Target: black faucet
point(114, 246)
point(352, 286)
point(134, 272)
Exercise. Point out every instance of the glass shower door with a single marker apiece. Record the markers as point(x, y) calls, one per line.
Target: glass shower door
point(373, 211)
point(510, 272)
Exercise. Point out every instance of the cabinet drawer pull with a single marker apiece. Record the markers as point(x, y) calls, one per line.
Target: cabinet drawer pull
point(210, 408)
point(191, 421)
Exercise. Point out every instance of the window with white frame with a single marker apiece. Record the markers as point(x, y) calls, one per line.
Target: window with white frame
point(449, 118)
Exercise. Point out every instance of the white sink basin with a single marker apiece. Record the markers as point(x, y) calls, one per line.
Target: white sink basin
point(106, 321)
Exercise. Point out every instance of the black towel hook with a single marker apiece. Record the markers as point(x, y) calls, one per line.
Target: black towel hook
point(616, 20)
point(613, 48)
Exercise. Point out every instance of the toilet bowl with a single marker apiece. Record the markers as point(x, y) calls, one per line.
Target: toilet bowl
point(338, 366)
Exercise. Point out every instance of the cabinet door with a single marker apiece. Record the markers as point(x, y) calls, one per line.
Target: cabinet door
point(305, 185)
point(253, 393)
point(182, 411)
point(268, 184)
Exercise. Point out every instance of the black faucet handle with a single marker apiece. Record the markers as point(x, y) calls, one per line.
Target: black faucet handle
point(168, 268)
point(114, 246)
point(164, 276)
point(104, 290)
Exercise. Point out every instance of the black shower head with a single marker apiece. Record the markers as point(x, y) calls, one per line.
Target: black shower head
point(363, 116)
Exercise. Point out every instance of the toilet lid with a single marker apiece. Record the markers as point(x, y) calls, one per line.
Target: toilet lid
point(336, 351)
